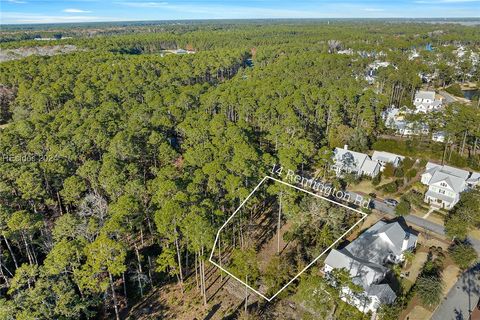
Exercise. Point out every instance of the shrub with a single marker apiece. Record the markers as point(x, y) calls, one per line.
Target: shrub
point(429, 289)
point(377, 179)
point(407, 163)
point(455, 89)
point(463, 254)
point(403, 208)
point(390, 187)
point(411, 174)
point(389, 170)
point(423, 163)
point(399, 173)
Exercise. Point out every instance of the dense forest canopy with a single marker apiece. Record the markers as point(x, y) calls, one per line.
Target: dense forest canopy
point(111, 155)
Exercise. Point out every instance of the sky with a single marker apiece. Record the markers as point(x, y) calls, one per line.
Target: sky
point(57, 11)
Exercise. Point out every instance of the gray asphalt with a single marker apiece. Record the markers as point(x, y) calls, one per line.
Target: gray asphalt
point(422, 225)
point(462, 298)
point(448, 97)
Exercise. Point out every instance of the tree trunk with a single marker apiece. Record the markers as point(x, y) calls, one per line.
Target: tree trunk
point(179, 263)
point(464, 139)
point(114, 297)
point(204, 284)
point(196, 271)
point(125, 289)
point(246, 293)
point(278, 224)
point(11, 251)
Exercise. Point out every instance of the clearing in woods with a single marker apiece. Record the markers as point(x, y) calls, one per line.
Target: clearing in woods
point(277, 233)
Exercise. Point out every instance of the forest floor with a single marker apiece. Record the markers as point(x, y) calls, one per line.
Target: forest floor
point(270, 248)
point(168, 302)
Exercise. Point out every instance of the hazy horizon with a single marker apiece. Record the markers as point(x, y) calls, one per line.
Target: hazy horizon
point(79, 11)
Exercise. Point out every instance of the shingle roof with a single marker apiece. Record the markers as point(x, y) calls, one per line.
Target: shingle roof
point(456, 183)
point(425, 95)
point(354, 161)
point(364, 257)
point(385, 156)
point(380, 240)
point(440, 196)
point(357, 158)
point(383, 292)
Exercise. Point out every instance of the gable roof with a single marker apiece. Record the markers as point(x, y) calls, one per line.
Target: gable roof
point(370, 166)
point(354, 161)
point(456, 178)
point(425, 95)
point(456, 183)
point(380, 240)
point(363, 272)
point(386, 156)
point(357, 159)
point(364, 257)
point(383, 292)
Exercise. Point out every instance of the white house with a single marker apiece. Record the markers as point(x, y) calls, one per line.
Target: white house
point(383, 158)
point(445, 184)
point(366, 260)
point(348, 161)
point(394, 118)
point(425, 101)
point(439, 136)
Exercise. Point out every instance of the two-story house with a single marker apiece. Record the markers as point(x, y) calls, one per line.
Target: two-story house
point(367, 258)
point(445, 183)
point(425, 101)
point(348, 161)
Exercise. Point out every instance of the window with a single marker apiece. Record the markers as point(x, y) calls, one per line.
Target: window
point(443, 184)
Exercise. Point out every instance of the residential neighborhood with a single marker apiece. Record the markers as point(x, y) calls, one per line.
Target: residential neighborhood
point(240, 160)
point(366, 259)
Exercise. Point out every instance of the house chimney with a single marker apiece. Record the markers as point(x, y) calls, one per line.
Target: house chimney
point(345, 146)
point(405, 242)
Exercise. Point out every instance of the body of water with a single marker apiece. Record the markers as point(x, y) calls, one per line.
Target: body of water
point(469, 94)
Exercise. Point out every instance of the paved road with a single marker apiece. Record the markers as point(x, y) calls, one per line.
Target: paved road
point(448, 97)
point(420, 223)
point(462, 298)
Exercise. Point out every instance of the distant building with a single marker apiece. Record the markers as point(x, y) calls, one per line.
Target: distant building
point(425, 101)
point(348, 161)
point(383, 158)
point(366, 259)
point(439, 136)
point(394, 118)
point(372, 70)
point(445, 184)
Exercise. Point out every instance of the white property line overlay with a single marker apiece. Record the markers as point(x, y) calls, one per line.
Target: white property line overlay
point(364, 215)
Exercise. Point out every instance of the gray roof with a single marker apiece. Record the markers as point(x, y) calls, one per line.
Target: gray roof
point(354, 161)
point(380, 240)
point(454, 177)
point(383, 292)
point(369, 165)
point(364, 257)
point(474, 178)
point(362, 272)
point(440, 196)
point(386, 156)
point(425, 95)
point(456, 183)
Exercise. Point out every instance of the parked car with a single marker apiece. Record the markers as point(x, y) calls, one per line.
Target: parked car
point(391, 202)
